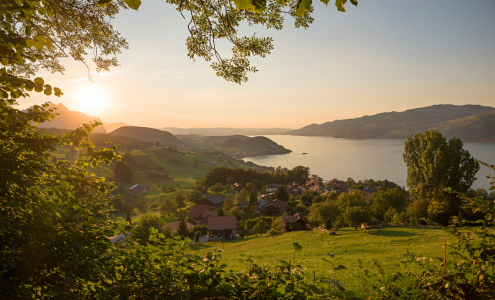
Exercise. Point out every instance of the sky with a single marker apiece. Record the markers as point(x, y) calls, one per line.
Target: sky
point(384, 55)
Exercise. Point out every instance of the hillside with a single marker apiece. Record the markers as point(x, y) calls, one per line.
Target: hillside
point(67, 119)
point(469, 121)
point(223, 131)
point(148, 134)
point(242, 146)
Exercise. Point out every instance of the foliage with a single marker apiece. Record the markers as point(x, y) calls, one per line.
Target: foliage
point(197, 237)
point(123, 171)
point(281, 193)
point(237, 213)
point(228, 204)
point(120, 205)
point(324, 212)
point(355, 215)
point(434, 164)
point(168, 207)
point(260, 226)
point(241, 196)
point(273, 232)
point(194, 196)
point(253, 198)
point(182, 230)
point(217, 188)
point(221, 213)
point(383, 200)
point(278, 223)
point(180, 201)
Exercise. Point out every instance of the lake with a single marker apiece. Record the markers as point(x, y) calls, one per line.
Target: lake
point(359, 159)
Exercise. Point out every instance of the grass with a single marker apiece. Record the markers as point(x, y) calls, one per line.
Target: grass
point(148, 160)
point(384, 245)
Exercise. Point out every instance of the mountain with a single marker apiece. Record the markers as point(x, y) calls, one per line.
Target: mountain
point(472, 122)
point(258, 141)
point(223, 131)
point(148, 134)
point(67, 119)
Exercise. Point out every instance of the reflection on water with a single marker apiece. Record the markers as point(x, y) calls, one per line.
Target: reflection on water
point(359, 159)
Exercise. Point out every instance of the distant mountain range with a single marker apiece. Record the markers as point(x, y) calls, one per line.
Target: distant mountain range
point(226, 131)
point(67, 119)
point(467, 122)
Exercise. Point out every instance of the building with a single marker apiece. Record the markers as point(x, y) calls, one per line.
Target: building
point(213, 201)
point(273, 207)
point(197, 211)
point(291, 220)
point(332, 183)
point(312, 182)
point(136, 189)
point(270, 188)
point(202, 189)
point(236, 188)
point(293, 185)
point(241, 205)
point(220, 228)
point(175, 225)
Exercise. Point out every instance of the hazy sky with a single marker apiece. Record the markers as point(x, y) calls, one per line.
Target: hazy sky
point(384, 55)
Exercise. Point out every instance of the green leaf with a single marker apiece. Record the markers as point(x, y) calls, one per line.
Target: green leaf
point(354, 2)
point(303, 6)
point(340, 5)
point(39, 81)
point(104, 3)
point(260, 5)
point(244, 5)
point(281, 2)
point(354, 295)
point(469, 276)
point(133, 4)
point(325, 1)
point(39, 42)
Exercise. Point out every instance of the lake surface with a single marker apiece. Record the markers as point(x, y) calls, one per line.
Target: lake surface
point(359, 159)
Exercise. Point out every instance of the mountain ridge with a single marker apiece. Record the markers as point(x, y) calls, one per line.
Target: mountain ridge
point(452, 120)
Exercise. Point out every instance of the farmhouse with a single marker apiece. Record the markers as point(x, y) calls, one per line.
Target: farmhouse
point(270, 188)
point(136, 189)
point(291, 220)
point(202, 189)
point(175, 225)
point(236, 188)
point(273, 207)
point(312, 182)
point(197, 211)
point(332, 183)
point(213, 201)
point(220, 228)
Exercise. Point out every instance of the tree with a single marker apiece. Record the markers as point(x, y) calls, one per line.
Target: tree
point(281, 193)
point(221, 213)
point(182, 230)
point(129, 221)
point(228, 204)
point(355, 215)
point(141, 231)
point(253, 198)
point(217, 188)
point(180, 201)
point(433, 164)
point(194, 196)
point(167, 207)
point(197, 237)
point(123, 171)
point(230, 181)
point(237, 213)
point(260, 227)
point(323, 212)
point(384, 199)
point(241, 196)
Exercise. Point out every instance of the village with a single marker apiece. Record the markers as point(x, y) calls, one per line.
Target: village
point(214, 216)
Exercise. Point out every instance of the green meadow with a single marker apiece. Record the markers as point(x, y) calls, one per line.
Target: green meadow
point(182, 168)
point(384, 245)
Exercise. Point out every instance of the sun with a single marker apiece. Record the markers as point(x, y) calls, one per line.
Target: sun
point(91, 98)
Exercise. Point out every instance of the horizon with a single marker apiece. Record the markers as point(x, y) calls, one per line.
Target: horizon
point(393, 56)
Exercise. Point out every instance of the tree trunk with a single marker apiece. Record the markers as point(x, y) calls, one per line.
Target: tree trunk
point(355, 228)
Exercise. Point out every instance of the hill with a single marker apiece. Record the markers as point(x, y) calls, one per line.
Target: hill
point(258, 141)
point(470, 121)
point(223, 131)
point(148, 134)
point(67, 119)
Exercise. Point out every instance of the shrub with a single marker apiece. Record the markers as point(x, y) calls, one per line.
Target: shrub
point(197, 237)
point(273, 232)
point(154, 206)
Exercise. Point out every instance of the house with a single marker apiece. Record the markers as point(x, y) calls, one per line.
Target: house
point(241, 205)
point(293, 185)
point(236, 188)
point(136, 189)
point(297, 218)
point(209, 213)
point(220, 228)
point(369, 198)
point(175, 225)
point(369, 190)
point(265, 197)
point(295, 192)
point(202, 189)
point(333, 183)
point(316, 188)
point(197, 211)
point(273, 207)
point(213, 201)
point(312, 182)
point(270, 188)
point(119, 238)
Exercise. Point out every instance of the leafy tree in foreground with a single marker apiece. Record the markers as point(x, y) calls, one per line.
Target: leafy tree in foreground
point(434, 164)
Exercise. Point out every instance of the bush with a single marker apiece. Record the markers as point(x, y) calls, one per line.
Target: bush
point(273, 232)
point(154, 206)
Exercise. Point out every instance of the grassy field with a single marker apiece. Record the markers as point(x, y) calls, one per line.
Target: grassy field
point(182, 173)
point(384, 245)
